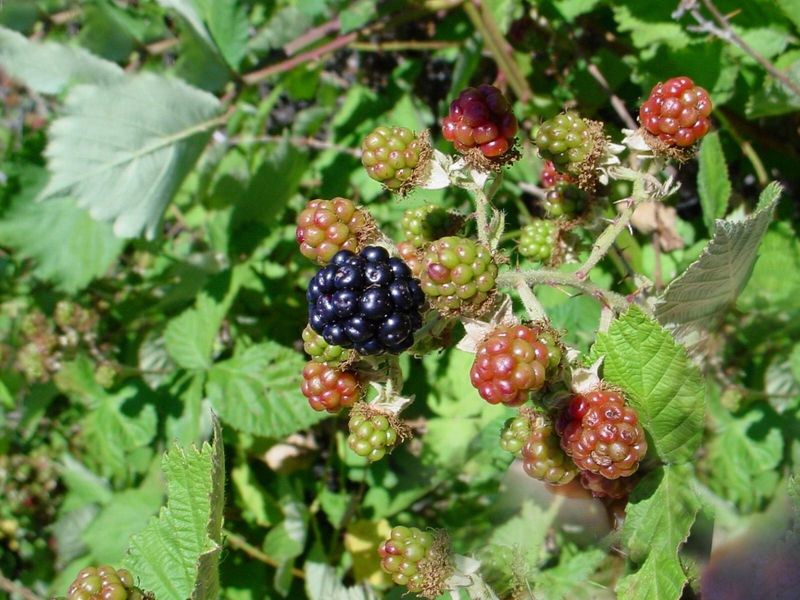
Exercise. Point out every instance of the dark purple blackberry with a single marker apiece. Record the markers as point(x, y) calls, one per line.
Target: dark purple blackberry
point(366, 301)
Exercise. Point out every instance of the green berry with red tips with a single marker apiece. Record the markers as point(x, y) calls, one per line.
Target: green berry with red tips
point(329, 389)
point(326, 226)
point(538, 240)
point(403, 554)
point(321, 351)
point(515, 433)
point(458, 274)
point(391, 155)
point(105, 583)
point(412, 256)
point(565, 200)
point(542, 456)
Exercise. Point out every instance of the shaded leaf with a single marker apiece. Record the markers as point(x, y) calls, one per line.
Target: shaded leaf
point(713, 183)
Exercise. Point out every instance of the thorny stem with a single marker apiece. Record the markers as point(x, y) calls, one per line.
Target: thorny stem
point(552, 278)
point(7, 585)
point(529, 300)
point(606, 239)
point(747, 149)
point(239, 543)
point(481, 208)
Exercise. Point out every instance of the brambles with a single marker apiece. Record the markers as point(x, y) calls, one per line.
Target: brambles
point(427, 223)
point(369, 302)
point(392, 155)
point(321, 351)
point(458, 274)
point(513, 361)
point(329, 389)
point(676, 112)
point(481, 118)
point(542, 456)
point(104, 583)
point(538, 239)
point(372, 434)
point(324, 227)
point(416, 559)
point(515, 433)
point(602, 434)
point(565, 200)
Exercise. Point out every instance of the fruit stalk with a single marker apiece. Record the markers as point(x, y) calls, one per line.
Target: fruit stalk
point(556, 278)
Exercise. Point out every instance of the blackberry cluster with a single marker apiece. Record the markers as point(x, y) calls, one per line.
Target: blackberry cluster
point(677, 112)
point(104, 583)
point(538, 240)
point(613, 489)
point(565, 200)
point(321, 351)
point(402, 554)
point(426, 223)
point(565, 139)
point(391, 154)
point(367, 301)
point(602, 434)
point(370, 435)
point(324, 227)
point(457, 274)
point(515, 433)
point(543, 458)
point(481, 118)
point(513, 361)
point(329, 389)
point(549, 176)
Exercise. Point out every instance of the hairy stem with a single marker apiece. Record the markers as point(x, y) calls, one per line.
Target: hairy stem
point(239, 543)
point(552, 278)
point(606, 239)
point(529, 300)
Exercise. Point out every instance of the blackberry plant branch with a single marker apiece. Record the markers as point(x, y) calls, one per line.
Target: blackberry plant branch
point(12, 587)
point(531, 303)
point(607, 238)
point(615, 301)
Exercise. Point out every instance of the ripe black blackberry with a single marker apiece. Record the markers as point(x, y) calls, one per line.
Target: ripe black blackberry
point(366, 301)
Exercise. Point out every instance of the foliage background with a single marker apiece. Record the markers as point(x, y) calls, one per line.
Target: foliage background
point(173, 143)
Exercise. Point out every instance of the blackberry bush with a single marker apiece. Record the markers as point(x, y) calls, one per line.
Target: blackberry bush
point(392, 155)
point(366, 301)
point(321, 351)
point(329, 389)
point(602, 434)
point(458, 274)
point(542, 456)
point(538, 239)
point(676, 112)
point(324, 227)
point(513, 361)
point(481, 118)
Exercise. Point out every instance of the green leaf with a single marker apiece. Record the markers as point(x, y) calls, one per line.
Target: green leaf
point(130, 139)
point(774, 97)
point(49, 68)
point(323, 583)
point(658, 518)
point(698, 299)
point(177, 555)
point(713, 183)
point(791, 9)
point(70, 248)
point(650, 24)
point(568, 580)
point(659, 380)
point(258, 391)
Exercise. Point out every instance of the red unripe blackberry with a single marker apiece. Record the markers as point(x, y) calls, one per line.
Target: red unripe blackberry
point(402, 554)
point(412, 257)
point(677, 112)
point(481, 118)
point(391, 154)
point(329, 389)
point(542, 456)
point(549, 177)
point(602, 434)
point(104, 583)
point(326, 226)
point(513, 361)
point(614, 489)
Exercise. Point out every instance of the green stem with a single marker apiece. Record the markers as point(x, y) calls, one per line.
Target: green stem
point(529, 300)
point(606, 239)
point(552, 278)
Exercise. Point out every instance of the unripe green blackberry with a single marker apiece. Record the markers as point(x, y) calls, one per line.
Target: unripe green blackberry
point(538, 240)
point(542, 456)
point(417, 559)
point(458, 274)
point(565, 139)
point(426, 224)
point(515, 433)
point(322, 352)
point(104, 583)
point(372, 434)
point(392, 154)
point(565, 200)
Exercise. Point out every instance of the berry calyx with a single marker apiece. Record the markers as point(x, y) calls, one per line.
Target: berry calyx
point(549, 176)
point(565, 200)
point(324, 227)
point(394, 155)
point(427, 223)
point(614, 489)
point(416, 559)
point(513, 361)
point(372, 433)
point(367, 301)
point(538, 240)
point(321, 351)
point(481, 118)
point(329, 389)
point(677, 112)
point(515, 433)
point(602, 434)
point(458, 274)
point(105, 583)
point(542, 456)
